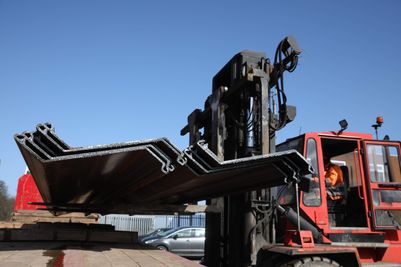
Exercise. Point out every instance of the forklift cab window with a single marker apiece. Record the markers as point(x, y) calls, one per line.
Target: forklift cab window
point(384, 164)
point(312, 197)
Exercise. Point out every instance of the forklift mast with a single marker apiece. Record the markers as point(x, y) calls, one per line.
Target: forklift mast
point(240, 119)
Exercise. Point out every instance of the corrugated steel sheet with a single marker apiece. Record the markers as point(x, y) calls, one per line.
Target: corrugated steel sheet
point(150, 171)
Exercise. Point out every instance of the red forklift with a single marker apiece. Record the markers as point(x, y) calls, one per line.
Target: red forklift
point(295, 224)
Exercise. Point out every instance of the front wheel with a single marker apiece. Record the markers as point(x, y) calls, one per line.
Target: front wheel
point(311, 262)
point(162, 247)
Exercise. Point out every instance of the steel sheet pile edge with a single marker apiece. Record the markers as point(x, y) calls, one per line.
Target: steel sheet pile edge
point(144, 172)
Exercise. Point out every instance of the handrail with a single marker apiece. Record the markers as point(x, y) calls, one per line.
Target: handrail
point(358, 177)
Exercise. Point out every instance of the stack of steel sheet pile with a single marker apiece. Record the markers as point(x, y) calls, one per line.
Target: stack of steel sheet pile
point(145, 172)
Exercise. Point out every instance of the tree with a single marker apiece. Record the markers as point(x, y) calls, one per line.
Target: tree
point(6, 203)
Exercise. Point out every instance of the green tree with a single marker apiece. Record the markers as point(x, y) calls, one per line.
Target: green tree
point(6, 203)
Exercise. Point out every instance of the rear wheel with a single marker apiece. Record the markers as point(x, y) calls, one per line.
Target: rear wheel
point(311, 262)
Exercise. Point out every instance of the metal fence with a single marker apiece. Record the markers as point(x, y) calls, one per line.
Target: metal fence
point(146, 224)
point(140, 224)
point(184, 220)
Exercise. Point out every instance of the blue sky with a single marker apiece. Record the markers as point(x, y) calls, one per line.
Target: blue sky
point(113, 71)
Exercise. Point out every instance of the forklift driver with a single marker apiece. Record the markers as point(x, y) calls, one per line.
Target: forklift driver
point(334, 182)
point(335, 194)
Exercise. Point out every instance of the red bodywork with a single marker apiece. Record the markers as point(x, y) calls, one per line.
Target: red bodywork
point(27, 192)
point(390, 249)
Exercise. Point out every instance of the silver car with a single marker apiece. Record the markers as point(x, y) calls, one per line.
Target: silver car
point(184, 241)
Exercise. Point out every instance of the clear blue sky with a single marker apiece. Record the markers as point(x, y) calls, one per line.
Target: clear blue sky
point(113, 71)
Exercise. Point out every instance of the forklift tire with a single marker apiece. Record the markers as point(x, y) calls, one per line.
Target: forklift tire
point(311, 262)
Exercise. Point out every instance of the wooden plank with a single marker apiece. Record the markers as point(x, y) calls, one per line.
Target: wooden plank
point(31, 216)
point(66, 232)
point(11, 225)
point(29, 219)
point(45, 213)
point(71, 235)
point(115, 236)
point(30, 235)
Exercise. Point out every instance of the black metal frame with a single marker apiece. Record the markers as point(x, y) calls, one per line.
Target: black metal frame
point(240, 120)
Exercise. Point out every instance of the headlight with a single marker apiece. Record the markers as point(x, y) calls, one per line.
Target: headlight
point(149, 241)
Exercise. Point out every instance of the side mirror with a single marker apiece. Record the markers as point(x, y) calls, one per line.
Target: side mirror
point(175, 237)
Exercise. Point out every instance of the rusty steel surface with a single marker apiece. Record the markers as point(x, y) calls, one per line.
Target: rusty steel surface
point(144, 172)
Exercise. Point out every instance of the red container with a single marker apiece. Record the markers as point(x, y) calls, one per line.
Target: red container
point(27, 192)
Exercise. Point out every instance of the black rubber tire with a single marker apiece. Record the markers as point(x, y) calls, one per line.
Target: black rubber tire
point(161, 247)
point(312, 262)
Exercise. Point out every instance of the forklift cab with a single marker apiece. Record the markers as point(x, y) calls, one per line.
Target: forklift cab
point(371, 190)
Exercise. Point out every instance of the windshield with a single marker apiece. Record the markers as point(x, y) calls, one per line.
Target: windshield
point(159, 231)
point(166, 233)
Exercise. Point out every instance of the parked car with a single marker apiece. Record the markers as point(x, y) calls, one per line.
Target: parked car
point(152, 235)
point(184, 241)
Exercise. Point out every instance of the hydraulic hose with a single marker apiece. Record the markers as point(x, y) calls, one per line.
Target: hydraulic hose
point(291, 215)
